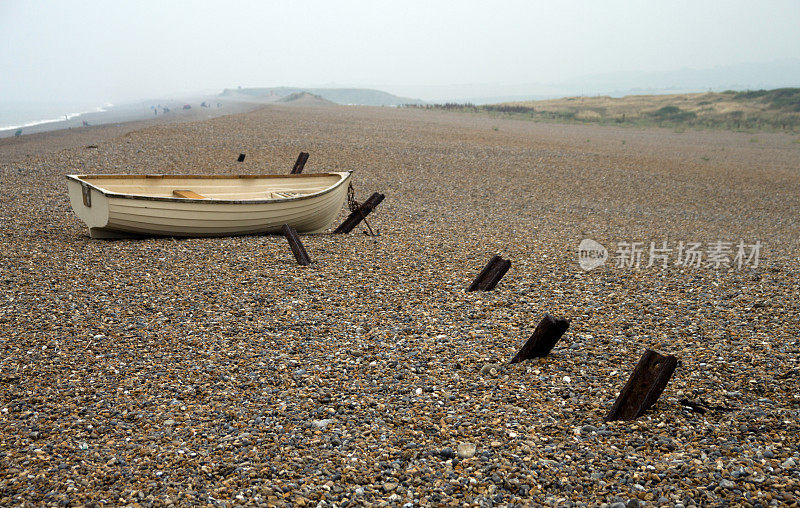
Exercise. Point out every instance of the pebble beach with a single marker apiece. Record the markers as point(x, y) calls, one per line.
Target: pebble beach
point(218, 372)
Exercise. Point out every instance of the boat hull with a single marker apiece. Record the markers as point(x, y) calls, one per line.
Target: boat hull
point(114, 215)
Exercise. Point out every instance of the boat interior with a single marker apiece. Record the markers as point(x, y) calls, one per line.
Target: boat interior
point(214, 187)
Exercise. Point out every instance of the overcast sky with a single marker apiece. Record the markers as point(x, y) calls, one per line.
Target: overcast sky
point(118, 50)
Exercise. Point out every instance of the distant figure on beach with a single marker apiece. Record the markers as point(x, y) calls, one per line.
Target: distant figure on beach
point(86, 124)
point(18, 133)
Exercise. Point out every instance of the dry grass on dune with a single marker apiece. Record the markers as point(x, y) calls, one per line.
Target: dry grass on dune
point(753, 110)
point(642, 105)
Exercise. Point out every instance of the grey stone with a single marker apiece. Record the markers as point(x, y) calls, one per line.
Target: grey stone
point(447, 453)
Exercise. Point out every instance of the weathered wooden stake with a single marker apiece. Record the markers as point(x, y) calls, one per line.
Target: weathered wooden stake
point(547, 333)
point(497, 273)
point(298, 250)
point(300, 163)
point(241, 158)
point(491, 274)
point(357, 216)
point(647, 381)
point(483, 273)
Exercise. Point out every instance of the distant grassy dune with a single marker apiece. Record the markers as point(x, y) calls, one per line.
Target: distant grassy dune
point(357, 96)
point(304, 99)
point(752, 110)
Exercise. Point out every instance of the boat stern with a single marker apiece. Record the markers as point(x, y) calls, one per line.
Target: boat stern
point(88, 203)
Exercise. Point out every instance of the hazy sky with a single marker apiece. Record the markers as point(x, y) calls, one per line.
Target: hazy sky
point(116, 50)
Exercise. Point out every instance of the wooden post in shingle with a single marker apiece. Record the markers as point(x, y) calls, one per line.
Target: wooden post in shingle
point(300, 163)
point(547, 333)
point(497, 273)
point(298, 250)
point(644, 386)
point(357, 216)
point(491, 274)
point(483, 273)
point(241, 158)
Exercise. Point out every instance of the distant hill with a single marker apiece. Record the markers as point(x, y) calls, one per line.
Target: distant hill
point(746, 76)
point(760, 109)
point(354, 96)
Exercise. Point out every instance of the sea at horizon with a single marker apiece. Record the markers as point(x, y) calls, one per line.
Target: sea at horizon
point(29, 118)
point(19, 115)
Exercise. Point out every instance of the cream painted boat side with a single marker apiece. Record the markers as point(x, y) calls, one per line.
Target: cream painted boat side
point(210, 219)
point(114, 215)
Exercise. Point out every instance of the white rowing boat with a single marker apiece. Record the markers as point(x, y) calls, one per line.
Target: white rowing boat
point(115, 206)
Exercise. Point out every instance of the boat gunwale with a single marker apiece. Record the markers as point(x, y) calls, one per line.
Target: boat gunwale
point(343, 177)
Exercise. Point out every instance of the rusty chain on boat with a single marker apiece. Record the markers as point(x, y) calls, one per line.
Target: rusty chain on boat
point(355, 206)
